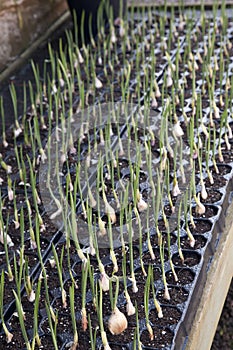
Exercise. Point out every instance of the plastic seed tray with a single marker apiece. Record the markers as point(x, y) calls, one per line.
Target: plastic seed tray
point(185, 39)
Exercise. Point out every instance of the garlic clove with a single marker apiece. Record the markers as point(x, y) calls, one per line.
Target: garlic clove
point(104, 282)
point(177, 130)
point(117, 322)
point(98, 83)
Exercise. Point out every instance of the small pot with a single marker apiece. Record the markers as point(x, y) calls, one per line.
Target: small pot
point(90, 8)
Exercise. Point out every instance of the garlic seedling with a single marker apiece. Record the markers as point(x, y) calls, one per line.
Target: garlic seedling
point(8, 334)
point(98, 83)
point(199, 57)
point(157, 90)
point(99, 303)
point(104, 279)
point(169, 81)
point(79, 55)
point(221, 102)
point(100, 60)
point(17, 131)
point(230, 135)
point(59, 272)
point(113, 257)
point(4, 236)
point(146, 305)
point(220, 156)
point(216, 110)
point(73, 318)
point(161, 250)
point(117, 322)
point(29, 289)
point(4, 141)
point(204, 130)
point(52, 262)
point(141, 204)
point(150, 248)
point(6, 167)
point(121, 149)
point(130, 309)
point(175, 189)
point(109, 209)
point(177, 129)
point(154, 103)
point(91, 199)
point(102, 229)
point(113, 35)
point(204, 193)
point(122, 31)
point(156, 302)
point(166, 294)
point(10, 191)
point(178, 235)
point(134, 282)
point(85, 269)
point(105, 341)
point(200, 208)
point(228, 145)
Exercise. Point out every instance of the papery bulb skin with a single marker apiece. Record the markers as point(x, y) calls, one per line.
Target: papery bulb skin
point(98, 83)
point(117, 322)
point(178, 131)
point(175, 190)
point(104, 282)
point(200, 208)
point(130, 309)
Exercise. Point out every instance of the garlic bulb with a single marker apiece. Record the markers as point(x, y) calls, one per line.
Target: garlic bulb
point(175, 190)
point(104, 282)
point(122, 30)
point(141, 204)
point(10, 194)
point(204, 193)
point(166, 294)
point(5, 143)
point(7, 237)
point(111, 212)
point(113, 36)
point(17, 131)
point(84, 319)
point(169, 81)
point(9, 335)
point(117, 322)
point(31, 297)
point(105, 341)
point(177, 130)
point(200, 208)
point(102, 230)
point(98, 83)
point(129, 305)
point(16, 224)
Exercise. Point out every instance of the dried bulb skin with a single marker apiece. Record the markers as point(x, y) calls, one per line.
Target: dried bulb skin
point(117, 322)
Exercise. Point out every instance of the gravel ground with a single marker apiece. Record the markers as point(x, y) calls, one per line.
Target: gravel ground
point(224, 335)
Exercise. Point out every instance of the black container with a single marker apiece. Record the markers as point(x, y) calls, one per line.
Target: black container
point(90, 10)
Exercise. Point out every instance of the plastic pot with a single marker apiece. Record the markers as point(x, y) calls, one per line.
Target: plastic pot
point(90, 8)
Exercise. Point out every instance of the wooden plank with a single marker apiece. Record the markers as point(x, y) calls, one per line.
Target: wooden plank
point(214, 291)
point(21, 59)
point(157, 3)
point(22, 22)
